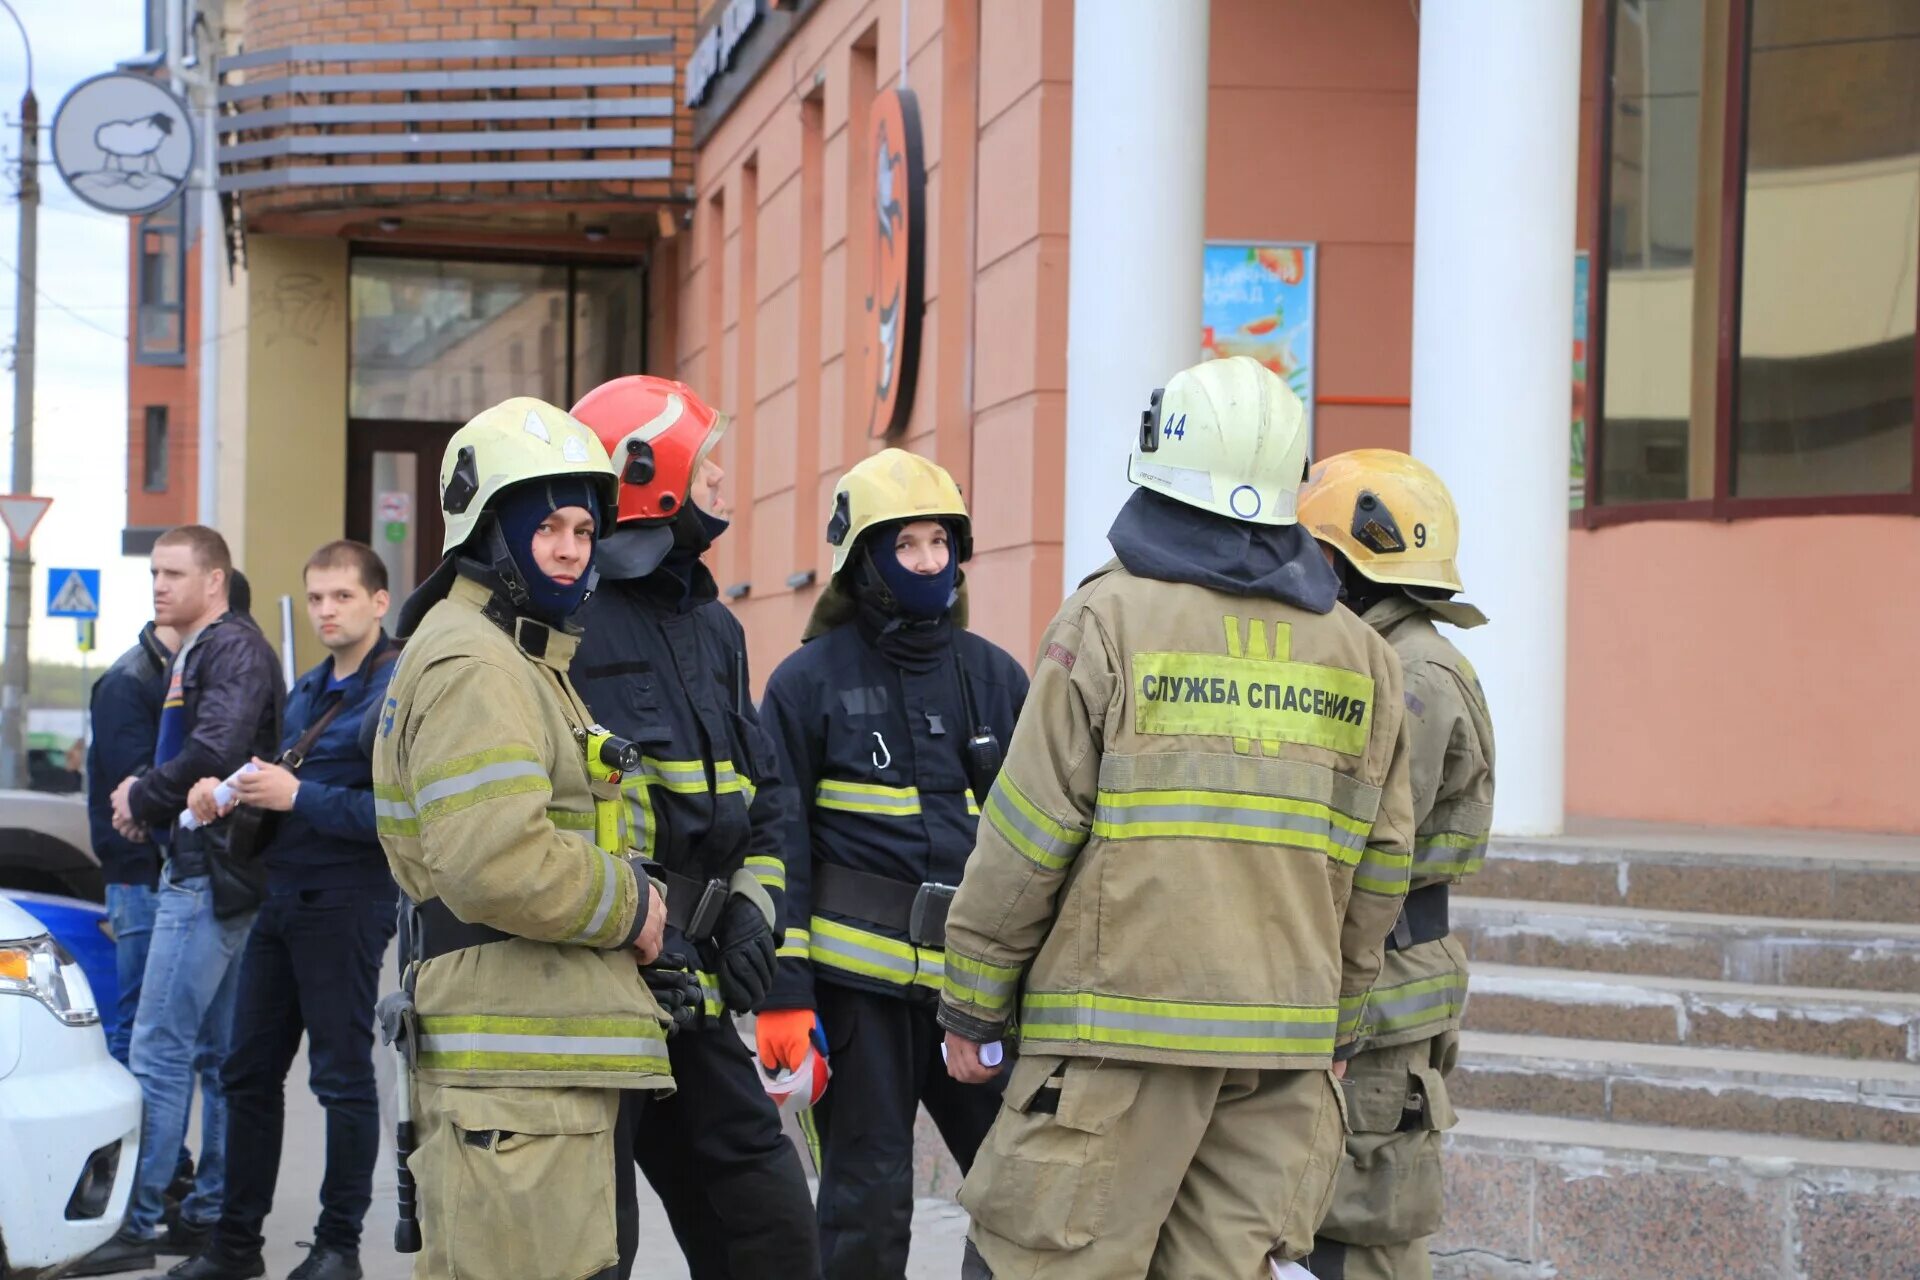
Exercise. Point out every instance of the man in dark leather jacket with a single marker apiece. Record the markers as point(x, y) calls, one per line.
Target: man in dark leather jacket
point(663, 663)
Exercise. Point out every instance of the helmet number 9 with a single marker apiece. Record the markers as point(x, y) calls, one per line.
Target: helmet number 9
point(1419, 535)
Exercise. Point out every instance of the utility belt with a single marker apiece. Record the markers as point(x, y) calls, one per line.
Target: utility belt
point(438, 931)
point(693, 906)
point(1423, 918)
point(917, 910)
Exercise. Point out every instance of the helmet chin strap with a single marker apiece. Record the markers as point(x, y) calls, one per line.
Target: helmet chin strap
point(500, 562)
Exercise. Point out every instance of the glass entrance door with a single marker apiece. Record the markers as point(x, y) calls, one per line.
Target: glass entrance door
point(393, 497)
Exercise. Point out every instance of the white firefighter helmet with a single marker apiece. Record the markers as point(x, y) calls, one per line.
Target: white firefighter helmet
point(1228, 436)
point(518, 439)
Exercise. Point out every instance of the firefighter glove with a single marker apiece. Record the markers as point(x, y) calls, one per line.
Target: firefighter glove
point(678, 993)
point(746, 945)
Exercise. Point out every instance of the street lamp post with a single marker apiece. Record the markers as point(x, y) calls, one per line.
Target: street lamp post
point(14, 669)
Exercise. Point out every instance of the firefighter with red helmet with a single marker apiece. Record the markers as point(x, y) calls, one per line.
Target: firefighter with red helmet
point(664, 664)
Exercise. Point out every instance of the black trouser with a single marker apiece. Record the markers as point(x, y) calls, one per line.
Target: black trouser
point(884, 1052)
point(714, 1153)
point(311, 964)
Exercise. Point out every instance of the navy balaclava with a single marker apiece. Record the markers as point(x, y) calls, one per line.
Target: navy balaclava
point(918, 595)
point(520, 511)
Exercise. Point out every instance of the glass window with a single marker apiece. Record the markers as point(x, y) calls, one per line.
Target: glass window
point(606, 328)
point(153, 477)
point(432, 341)
point(1654, 179)
point(160, 331)
point(1832, 225)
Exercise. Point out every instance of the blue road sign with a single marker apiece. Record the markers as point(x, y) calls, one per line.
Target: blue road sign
point(73, 593)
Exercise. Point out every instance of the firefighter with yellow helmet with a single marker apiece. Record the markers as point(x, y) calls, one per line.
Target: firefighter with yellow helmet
point(890, 721)
point(1388, 527)
point(498, 804)
point(1184, 874)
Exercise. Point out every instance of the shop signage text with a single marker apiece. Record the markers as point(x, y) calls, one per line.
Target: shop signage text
point(714, 53)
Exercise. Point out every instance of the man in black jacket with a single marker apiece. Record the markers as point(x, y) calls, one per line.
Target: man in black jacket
point(125, 709)
point(222, 707)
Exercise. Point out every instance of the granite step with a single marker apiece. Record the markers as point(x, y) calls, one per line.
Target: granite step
point(1784, 874)
point(1866, 1025)
point(1793, 1095)
point(1848, 955)
point(1532, 1197)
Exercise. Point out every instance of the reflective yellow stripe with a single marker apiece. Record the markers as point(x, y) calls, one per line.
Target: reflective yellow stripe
point(642, 826)
point(1178, 1025)
point(1383, 873)
point(711, 1002)
point(483, 1042)
point(727, 780)
point(1352, 1009)
point(867, 797)
point(595, 923)
point(1196, 814)
point(568, 820)
point(1257, 699)
point(1450, 853)
point(1414, 1004)
point(973, 806)
point(682, 777)
point(796, 945)
point(874, 955)
point(986, 986)
point(393, 815)
point(1037, 837)
point(770, 872)
point(464, 781)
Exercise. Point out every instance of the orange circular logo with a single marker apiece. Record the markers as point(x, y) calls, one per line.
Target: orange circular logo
point(898, 274)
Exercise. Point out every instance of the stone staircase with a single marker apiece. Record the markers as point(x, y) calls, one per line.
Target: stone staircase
point(1689, 1055)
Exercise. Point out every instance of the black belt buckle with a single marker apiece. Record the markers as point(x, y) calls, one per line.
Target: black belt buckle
point(927, 923)
point(706, 913)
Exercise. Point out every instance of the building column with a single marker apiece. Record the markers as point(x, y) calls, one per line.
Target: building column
point(1136, 231)
point(1494, 211)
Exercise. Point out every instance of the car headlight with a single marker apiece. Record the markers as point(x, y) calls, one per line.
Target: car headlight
point(41, 968)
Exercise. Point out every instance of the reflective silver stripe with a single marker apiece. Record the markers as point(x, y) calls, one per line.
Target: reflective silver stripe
point(609, 894)
point(576, 1046)
point(1246, 775)
point(1055, 853)
point(1121, 815)
point(906, 801)
point(1387, 1011)
point(864, 956)
point(965, 974)
point(477, 778)
point(1033, 1014)
point(392, 809)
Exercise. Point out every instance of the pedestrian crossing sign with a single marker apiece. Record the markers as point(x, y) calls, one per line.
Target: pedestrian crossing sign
point(73, 593)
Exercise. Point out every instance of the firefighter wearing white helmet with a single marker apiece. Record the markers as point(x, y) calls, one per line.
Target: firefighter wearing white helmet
point(497, 800)
point(1389, 529)
point(1184, 874)
point(890, 721)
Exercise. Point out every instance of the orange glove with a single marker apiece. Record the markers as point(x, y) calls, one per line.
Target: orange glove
point(784, 1035)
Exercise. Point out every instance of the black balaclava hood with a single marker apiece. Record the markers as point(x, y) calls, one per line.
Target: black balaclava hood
point(914, 642)
point(518, 513)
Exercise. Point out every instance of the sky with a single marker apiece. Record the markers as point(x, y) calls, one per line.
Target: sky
point(80, 394)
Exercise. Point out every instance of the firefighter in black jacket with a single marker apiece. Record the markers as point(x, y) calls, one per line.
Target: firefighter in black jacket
point(664, 664)
point(890, 721)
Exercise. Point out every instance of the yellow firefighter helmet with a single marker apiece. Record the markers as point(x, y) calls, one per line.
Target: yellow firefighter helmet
point(518, 439)
point(1228, 436)
point(1388, 514)
point(895, 485)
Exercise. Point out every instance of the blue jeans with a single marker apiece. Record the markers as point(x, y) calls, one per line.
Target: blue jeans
point(130, 910)
point(180, 1031)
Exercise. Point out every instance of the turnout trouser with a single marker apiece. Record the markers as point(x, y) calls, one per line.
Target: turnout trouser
point(1099, 1169)
point(884, 1052)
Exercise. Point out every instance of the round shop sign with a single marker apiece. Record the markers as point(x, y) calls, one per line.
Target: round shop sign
point(123, 142)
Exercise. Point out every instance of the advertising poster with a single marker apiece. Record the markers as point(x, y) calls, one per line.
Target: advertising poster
point(1259, 302)
point(1577, 464)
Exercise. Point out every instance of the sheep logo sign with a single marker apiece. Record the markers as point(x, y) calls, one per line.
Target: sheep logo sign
point(124, 143)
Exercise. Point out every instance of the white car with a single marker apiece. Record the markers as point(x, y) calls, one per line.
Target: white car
point(69, 1114)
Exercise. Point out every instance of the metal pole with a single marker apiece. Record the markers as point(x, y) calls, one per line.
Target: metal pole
point(13, 696)
point(213, 251)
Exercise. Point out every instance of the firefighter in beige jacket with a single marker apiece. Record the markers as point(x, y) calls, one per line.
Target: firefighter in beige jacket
point(502, 822)
point(1390, 531)
point(1184, 874)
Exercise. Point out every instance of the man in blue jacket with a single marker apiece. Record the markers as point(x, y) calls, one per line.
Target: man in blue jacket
point(125, 706)
point(312, 961)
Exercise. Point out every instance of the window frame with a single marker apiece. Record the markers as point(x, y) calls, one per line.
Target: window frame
point(148, 469)
point(1724, 505)
point(172, 222)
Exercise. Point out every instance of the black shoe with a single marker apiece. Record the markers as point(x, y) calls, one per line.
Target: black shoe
point(325, 1263)
point(215, 1265)
point(122, 1253)
point(184, 1237)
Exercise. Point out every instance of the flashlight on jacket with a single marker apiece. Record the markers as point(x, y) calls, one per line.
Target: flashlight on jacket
point(610, 756)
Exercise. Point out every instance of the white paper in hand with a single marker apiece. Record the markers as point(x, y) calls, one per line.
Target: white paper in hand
point(222, 796)
point(991, 1054)
point(1289, 1270)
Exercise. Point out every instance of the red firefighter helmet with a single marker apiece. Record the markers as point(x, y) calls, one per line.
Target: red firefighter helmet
point(657, 432)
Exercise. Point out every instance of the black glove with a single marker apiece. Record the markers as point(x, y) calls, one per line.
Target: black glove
point(745, 940)
point(678, 993)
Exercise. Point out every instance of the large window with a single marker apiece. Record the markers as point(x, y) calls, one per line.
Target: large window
point(153, 472)
point(438, 341)
point(1762, 229)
